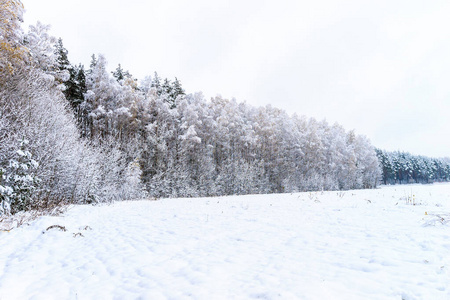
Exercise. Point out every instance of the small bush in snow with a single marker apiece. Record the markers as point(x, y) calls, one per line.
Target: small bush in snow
point(17, 181)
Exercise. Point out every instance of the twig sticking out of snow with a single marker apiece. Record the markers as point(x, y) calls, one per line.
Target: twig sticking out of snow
point(62, 228)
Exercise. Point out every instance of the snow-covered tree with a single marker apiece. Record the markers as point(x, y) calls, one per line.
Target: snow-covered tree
point(132, 138)
point(120, 74)
point(402, 167)
point(12, 52)
point(18, 181)
point(46, 54)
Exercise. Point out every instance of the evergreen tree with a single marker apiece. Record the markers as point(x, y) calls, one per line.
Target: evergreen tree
point(167, 87)
point(402, 167)
point(93, 63)
point(119, 74)
point(62, 56)
point(167, 93)
point(76, 86)
point(176, 91)
point(156, 84)
point(18, 181)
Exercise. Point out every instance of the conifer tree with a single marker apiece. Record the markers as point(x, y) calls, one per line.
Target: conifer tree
point(156, 84)
point(73, 91)
point(76, 86)
point(62, 55)
point(176, 91)
point(93, 63)
point(119, 74)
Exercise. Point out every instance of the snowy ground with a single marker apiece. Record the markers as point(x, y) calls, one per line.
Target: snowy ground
point(373, 244)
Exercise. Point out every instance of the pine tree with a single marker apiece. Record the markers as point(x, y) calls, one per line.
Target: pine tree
point(167, 93)
point(18, 182)
point(76, 86)
point(156, 84)
point(62, 56)
point(119, 74)
point(176, 90)
point(73, 91)
point(93, 63)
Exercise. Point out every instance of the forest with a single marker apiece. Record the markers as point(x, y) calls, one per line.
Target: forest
point(402, 167)
point(75, 135)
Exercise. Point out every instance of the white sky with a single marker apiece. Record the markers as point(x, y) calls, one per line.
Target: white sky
point(380, 67)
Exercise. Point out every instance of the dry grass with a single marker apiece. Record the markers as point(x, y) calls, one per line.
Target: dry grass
point(9, 222)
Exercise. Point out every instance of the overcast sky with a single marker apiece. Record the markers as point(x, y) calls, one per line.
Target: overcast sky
point(379, 67)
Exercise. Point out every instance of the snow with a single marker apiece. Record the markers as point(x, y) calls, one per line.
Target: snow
point(388, 243)
point(21, 153)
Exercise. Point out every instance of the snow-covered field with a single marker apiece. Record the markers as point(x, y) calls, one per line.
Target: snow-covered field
point(389, 243)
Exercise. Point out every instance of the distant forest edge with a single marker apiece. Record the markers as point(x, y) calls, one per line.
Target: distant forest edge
point(402, 167)
point(75, 135)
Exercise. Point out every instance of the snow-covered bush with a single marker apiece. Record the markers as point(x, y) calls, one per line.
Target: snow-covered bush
point(18, 181)
point(32, 107)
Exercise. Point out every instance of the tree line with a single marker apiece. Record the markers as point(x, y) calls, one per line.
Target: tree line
point(75, 135)
point(402, 167)
point(186, 145)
